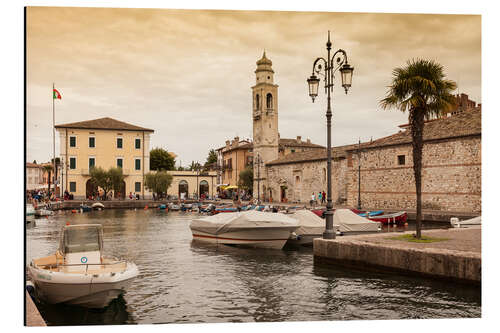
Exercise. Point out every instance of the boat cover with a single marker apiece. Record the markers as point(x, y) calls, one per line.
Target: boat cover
point(352, 222)
point(309, 223)
point(473, 221)
point(221, 223)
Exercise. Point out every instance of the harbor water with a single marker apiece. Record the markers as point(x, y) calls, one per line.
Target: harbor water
point(182, 281)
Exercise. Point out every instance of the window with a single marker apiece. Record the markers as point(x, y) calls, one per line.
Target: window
point(138, 164)
point(72, 141)
point(257, 102)
point(119, 143)
point(269, 101)
point(119, 162)
point(72, 186)
point(138, 186)
point(72, 162)
point(91, 142)
point(401, 159)
point(91, 162)
point(292, 150)
point(137, 143)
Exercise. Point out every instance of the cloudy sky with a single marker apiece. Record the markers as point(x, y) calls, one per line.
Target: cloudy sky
point(187, 74)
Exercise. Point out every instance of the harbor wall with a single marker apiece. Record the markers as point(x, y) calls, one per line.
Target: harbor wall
point(33, 317)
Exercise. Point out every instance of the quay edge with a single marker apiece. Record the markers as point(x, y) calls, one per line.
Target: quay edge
point(33, 316)
point(376, 253)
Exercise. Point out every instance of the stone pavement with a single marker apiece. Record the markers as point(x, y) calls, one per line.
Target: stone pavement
point(33, 317)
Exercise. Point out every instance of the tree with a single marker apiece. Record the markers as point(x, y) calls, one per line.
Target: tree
point(211, 160)
point(160, 159)
point(100, 177)
point(421, 89)
point(48, 168)
point(246, 178)
point(116, 179)
point(158, 182)
point(195, 166)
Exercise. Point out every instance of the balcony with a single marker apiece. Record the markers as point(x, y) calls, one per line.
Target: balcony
point(86, 172)
point(257, 114)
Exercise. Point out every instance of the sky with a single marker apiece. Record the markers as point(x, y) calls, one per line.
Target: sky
point(187, 74)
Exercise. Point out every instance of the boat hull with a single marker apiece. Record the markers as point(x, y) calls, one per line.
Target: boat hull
point(269, 238)
point(86, 290)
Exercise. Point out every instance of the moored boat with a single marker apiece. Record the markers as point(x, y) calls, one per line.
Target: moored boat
point(394, 218)
point(474, 222)
point(249, 228)
point(350, 223)
point(310, 226)
point(30, 213)
point(78, 273)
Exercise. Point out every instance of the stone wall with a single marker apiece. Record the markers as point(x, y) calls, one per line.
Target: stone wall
point(301, 179)
point(451, 177)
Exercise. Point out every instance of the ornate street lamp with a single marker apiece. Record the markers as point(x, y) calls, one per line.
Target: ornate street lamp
point(359, 174)
point(258, 160)
point(327, 68)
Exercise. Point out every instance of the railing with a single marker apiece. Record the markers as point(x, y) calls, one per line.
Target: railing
point(57, 265)
point(86, 172)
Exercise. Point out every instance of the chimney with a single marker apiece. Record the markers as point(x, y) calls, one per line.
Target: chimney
point(299, 139)
point(308, 140)
point(227, 143)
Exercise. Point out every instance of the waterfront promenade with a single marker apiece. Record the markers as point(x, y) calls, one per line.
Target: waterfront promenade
point(457, 257)
point(33, 317)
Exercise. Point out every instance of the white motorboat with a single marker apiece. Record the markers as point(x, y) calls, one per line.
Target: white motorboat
point(172, 206)
point(249, 228)
point(310, 226)
point(470, 223)
point(349, 222)
point(43, 212)
point(78, 273)
point(97, 206)
point(30, 213)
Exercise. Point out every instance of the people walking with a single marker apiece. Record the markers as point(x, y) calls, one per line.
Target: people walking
point(320, 197)
point(313, 199)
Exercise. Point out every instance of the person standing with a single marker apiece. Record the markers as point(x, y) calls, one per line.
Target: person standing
point(313, 199)
point(323, 197)
point(320, 197)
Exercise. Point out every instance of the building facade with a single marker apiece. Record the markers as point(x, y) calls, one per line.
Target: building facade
point(190, 184)
point(34, 176)
point(451, 167)
point(105, 143)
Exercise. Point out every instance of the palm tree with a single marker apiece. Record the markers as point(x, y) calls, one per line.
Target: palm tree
point(421, 89)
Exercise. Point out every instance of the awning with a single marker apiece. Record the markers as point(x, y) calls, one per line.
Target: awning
point(232, 187)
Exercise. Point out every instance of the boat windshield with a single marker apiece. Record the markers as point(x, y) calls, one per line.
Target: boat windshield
point(81, 240)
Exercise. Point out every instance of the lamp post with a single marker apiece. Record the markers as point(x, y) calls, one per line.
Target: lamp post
point(359, 174)
point(327, 68)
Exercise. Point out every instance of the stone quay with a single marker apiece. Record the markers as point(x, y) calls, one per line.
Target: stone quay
point(457, 258)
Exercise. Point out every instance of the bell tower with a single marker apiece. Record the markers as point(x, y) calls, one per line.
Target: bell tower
point(265, 122)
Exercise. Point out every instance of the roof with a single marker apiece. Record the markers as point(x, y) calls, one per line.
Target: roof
point(311, 155)
point(104, 123)
point(466, 123)
point(282, 143)
point(33, 165)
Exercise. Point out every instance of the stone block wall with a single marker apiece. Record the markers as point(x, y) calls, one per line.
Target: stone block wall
point(303, 178)
point(451, 177)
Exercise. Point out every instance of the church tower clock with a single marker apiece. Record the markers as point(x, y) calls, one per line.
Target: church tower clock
point(265, 123)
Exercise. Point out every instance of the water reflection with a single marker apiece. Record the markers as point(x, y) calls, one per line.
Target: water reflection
point(115, 313)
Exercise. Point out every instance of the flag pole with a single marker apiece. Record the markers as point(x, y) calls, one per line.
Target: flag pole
point(53, 139)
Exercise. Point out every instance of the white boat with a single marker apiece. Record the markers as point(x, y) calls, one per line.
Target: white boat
point(310, 226)
point(349, 222)
point(471, 223)
point(30, 213)
point(43, 212)
point(249, 228)
point(172, 206)
point(78, 273)
point(97, 205)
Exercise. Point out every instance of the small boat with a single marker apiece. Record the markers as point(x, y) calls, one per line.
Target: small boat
point(162, 206)
point(249, 228)
point(310, 226)
point(395, 218)
point(78, 273)
point(470, 223)
point(43, 212)
point(85, 208)
point(30, 213)
point(319, 212)
point(225, 209)
point(172, 206)
point(351, 223)
point(370, 214)
point(97, 205)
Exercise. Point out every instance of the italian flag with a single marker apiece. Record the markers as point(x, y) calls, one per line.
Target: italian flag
point(57, 95)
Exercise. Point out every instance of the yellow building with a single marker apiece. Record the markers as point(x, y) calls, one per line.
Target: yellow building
point(190, 184)
point(105, 143)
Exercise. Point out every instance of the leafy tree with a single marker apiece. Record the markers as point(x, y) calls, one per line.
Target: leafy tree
point(246, 178)
point(181, 168)
point(211, 160)
point(160, 159)
point(158, 182)
point(58, 163)
point(34, 161)
point(421, 89)
point(194, 166)
point(48, 168)
point(116, 179)
point(100, 177)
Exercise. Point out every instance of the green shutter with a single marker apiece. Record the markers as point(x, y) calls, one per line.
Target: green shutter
point(119, 143)
point(138, 164)
point(137, 143)
point(119, 163)
point(91, 142)
point(72, 186)
point(138, 186)
point(72, 163)
point(72, 141)
point(91, 162)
